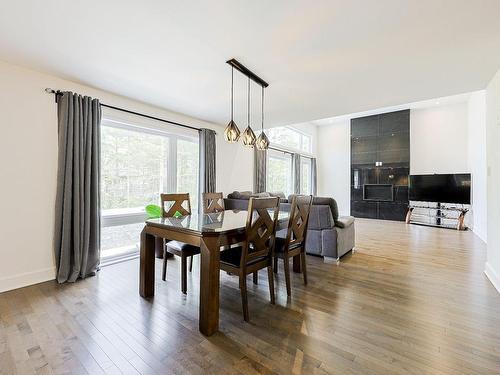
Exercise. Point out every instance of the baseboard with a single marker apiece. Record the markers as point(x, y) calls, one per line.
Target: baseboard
point(27, 278)
point(492, 276)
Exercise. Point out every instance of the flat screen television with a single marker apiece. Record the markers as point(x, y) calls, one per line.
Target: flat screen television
point(443, 188)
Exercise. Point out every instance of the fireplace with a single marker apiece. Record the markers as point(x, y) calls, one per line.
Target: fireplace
point(378, 192)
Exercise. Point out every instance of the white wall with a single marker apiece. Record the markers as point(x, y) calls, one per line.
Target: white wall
point(493, 157)
point(334, 163)
point(443, 139)
point(476, 156)
point(28, 154)
point(438, 139)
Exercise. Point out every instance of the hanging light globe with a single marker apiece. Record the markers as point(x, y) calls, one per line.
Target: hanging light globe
point(262, 142)
point(232, 133)
point(248, 137)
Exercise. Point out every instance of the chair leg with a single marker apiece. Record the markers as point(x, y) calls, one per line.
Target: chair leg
point(287, 275)
point(256, 277)
point(183, 274)
point(275, 265)
point(191, 263)
point(303, 264)
point(244, 297)
point(164, 272)
point(270, 277)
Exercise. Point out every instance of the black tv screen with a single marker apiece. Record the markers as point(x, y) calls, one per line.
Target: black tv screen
point(443, 188)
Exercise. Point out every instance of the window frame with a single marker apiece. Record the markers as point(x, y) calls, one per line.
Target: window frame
point(305, 153)
point(127, 216)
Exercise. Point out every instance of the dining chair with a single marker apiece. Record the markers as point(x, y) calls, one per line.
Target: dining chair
point(294, 243)
point(256, 251)
point(173, 205)
point(212, 202)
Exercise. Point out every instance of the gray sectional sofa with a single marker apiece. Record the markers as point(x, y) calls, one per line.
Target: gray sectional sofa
point(329, 235)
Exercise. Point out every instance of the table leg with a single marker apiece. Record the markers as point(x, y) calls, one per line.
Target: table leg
point(147, 265)
point(159, 246)
point(209, 285)
point(296, 263)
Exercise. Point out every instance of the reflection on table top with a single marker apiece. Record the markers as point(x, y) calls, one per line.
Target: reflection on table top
point(208, 223)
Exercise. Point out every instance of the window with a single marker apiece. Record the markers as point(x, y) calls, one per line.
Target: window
point(305, 176)
point(290, 138)
point(137, 164)
point(279, 172)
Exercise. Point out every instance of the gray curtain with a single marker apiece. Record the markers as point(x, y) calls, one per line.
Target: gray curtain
point(260, 171)
point(296, 173)
point(207, 161)
point(314, 177)
point(77, 222)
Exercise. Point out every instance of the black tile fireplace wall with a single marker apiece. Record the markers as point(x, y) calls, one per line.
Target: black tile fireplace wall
point(380, 154)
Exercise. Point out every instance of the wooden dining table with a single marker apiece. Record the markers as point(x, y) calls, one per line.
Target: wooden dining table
point(207, 231)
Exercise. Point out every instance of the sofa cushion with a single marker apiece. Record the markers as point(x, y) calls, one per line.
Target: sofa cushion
point(344, 221)
point(260, 195)
point(240, 195)
point(277, 194)
point(317, 201)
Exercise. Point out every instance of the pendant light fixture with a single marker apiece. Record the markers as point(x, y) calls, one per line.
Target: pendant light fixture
point(262, 142)
point(248, 135)
point(232, 133)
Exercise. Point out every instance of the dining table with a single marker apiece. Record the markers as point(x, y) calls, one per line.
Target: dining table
point(209, 232)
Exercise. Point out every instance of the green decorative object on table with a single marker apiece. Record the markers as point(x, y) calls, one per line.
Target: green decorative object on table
point(153, 211)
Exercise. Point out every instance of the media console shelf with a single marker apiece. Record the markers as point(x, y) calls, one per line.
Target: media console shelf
point(454, 216)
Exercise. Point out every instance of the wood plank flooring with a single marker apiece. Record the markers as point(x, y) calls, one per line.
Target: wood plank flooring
point(410, 300)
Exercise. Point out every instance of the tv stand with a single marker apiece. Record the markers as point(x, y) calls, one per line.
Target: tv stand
point(450, 217)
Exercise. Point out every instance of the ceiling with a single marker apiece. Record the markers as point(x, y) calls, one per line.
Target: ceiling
point(321, 58)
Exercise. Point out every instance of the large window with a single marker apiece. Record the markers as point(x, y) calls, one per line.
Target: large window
point(280, 166)
point(305, 176)
point(279, 172)
point(137, 164)
point(290, 138)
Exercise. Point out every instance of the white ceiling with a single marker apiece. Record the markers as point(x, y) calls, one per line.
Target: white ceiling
point(321, 58)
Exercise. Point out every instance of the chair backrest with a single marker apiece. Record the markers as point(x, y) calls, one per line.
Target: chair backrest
point(261, 226)
point(213, 202)
point(172, 203)
point(298, 220)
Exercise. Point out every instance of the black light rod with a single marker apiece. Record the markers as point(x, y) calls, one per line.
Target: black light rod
point(243, 69)
point(56, 93)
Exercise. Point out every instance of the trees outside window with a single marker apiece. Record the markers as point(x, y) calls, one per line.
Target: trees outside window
point(137, 164)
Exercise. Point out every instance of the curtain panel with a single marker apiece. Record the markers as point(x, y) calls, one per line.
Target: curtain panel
point(260, 171)
point(296, 173)
point(207, 157)
point(77, 218)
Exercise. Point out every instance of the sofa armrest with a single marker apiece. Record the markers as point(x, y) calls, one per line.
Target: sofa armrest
point(344, 221)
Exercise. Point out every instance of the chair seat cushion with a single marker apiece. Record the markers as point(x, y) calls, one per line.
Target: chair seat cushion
point(176, 247)
point(232, 257)
point(279, 246)
point(344, 221)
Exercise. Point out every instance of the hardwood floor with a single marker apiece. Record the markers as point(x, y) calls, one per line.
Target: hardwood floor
point(410, 300)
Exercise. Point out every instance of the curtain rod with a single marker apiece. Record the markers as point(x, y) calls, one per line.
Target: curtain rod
point(58, 92)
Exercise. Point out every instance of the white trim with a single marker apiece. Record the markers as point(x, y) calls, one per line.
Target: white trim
point(492, 276)
point(26, 279)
